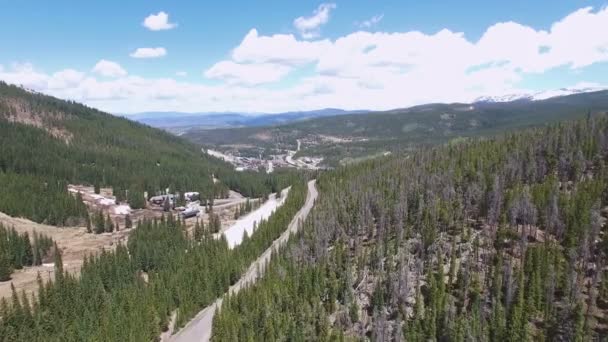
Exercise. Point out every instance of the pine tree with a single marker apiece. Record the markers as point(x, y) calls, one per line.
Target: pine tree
point(109, 225)
point(58, 264)
point(166, 205)
point(128, 222)
point(89, 228)
point(28, 257)
point(579, 323)
point(5, 266)
point(198, 230)
point(100, 225)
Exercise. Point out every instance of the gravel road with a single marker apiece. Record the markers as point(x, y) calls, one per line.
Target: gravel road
point(199, 328)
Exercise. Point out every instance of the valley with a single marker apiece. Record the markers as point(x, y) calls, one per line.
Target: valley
point(341, 139)
point(371, 270)
point(273, 158)
point(396, 225)
point(294, 171)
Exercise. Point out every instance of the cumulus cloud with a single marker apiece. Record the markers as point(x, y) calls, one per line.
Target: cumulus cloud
point(149, 52)
point(371, 22)
point(310, 27)
point(158, 22)
point(65, 79)
point(25, 75)
point(247, 74)
point(279, 48)
point(372, 70)
point(108, 69)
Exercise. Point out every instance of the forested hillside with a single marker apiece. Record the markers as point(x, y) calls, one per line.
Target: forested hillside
point(18, 250)
point(487, 240)
point(46, 143)
point(345, 137)
point(130, 294)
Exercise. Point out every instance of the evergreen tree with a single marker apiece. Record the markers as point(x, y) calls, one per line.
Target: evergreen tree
point(5, 266)
point(128, 222)
point(89, 228)
point(100, 224)
point(109, 225)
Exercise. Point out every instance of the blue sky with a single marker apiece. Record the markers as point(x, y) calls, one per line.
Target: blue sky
point(299, 54)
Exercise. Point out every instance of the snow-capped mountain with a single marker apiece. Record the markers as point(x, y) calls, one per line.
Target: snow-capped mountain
point(503, 98)
point(536, 96)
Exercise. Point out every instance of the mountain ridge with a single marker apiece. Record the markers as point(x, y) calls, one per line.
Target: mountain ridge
point(538, 95)
point(178, 122)
point(47, 143)
point(170, 119)
point(354, 136)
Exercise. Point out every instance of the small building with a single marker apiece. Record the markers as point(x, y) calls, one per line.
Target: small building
point(159, 200)
point(192, 196)
point(190, 212)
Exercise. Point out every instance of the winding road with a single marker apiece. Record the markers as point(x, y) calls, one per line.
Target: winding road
point(199, 328)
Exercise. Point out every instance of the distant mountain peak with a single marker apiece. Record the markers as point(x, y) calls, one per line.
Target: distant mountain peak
point(537, 96)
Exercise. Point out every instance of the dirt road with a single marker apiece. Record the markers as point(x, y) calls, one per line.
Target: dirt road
point(199, 328)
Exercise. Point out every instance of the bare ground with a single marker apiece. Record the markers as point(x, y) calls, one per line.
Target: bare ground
point(74, 243)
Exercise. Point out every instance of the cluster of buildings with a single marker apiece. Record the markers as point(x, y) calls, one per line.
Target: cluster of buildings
point(191, 209)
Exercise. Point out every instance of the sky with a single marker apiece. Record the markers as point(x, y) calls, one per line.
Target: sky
point(273, 56)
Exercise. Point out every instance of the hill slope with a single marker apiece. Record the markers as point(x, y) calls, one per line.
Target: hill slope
point(338, 137)
point(46, 143)
point(488, 240)
point(180, 122)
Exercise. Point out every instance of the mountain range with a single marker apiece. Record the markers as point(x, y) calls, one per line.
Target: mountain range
point(177, 121)
point(180, 122)
point(539, 95)
point(353, 136)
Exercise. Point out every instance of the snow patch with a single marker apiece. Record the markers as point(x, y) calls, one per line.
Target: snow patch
point(541, 95)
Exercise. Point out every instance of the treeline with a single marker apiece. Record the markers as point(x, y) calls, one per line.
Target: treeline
point(40, 199)
point(100, 223)
point(46, 142)
point(130, 293)
point(487, 240)
point(18, 250)
point(245, 208)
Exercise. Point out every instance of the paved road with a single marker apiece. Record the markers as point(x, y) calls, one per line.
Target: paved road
point(199, 328)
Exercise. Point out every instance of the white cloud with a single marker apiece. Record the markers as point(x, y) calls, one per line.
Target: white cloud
point(310, 27)
point(247, 74)
point(65, 79)
point(25, 75)
point(360, 70)
point(109, 69)
point(279, 48)
point(371, 22)
point(158, 22)
point(181, 74)
point(149, 52)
